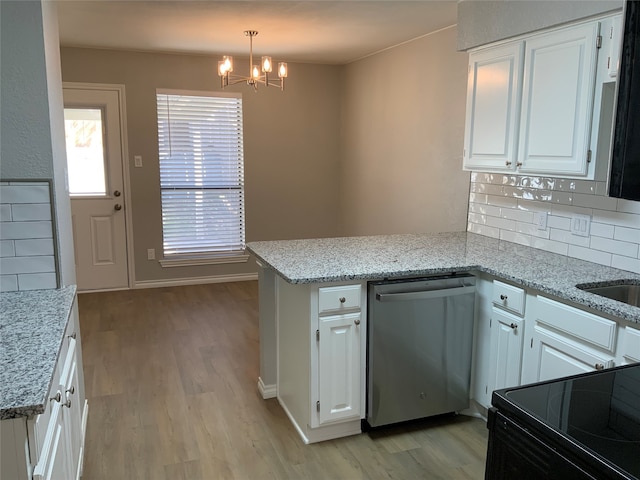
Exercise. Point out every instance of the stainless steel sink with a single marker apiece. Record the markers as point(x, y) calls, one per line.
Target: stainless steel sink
point(629, 294)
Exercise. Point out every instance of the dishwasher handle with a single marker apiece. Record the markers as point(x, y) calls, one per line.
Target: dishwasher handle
point(425, 294)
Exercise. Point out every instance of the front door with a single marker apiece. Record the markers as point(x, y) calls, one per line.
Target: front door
point(95, 169)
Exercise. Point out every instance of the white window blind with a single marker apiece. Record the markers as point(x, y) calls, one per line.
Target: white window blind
point(201, 173)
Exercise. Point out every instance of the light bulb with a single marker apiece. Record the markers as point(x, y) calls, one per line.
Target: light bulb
point(266, 64)
point(256, 72)
point(282, 69)
point(228, 63)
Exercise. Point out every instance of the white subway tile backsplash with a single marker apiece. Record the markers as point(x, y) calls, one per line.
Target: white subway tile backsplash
point(7, 248)
point(602, 230)
point(36, 281)
point(5, 213)
point(501, 223)
point(483, 230)
point(593, 201)
point(626, 249)
point(590, 255)
point(19, 230)
point(8, 283)
point(561, 223)
point(628, 206)
point(615, 227)
point(17, 265)
point(31, 211)
point(627, 234)
point(626, 263)
point(35, 247)
point(568, 238)
point(25, 193)
point(515, 237)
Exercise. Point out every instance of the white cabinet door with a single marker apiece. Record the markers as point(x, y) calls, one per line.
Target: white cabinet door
point(53, 461)
point(493, 96)
point(72, 413)
point(506, 348)
point(339, 367)
point(557, 100)
point(555, 356)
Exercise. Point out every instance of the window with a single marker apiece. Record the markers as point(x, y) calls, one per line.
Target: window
point(201, 173)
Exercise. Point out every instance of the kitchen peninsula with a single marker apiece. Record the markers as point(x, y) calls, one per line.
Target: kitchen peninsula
point(304, 283)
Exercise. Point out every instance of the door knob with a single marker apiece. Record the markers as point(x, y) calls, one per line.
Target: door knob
point(117, 193)
point(117, 207)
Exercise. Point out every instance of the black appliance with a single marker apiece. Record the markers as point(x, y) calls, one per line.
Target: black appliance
point(581, 427)
point(624, 181)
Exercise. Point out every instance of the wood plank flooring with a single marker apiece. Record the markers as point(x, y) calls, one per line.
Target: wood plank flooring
point(171, 378)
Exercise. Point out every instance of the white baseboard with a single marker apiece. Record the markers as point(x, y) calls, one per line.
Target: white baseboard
point(267, 391)
point(179, 282)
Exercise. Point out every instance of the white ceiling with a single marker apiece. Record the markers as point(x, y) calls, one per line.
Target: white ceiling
point(332, 32)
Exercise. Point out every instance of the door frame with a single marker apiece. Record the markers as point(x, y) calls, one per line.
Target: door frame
point(124, 145)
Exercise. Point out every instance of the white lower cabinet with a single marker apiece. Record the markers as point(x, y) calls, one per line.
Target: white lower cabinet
point(567, 341)
point(506, 347)
point(321, 334)
point(50, 446)
point(339, 373)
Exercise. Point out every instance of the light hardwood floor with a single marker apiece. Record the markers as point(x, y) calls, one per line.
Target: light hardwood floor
point(171, 378)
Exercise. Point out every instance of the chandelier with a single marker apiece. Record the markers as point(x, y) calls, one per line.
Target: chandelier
point(258, 74)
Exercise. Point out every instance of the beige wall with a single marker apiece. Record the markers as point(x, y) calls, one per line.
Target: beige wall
point(403, 138)
point(291, 147)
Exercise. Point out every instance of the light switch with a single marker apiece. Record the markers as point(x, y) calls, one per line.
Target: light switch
point(137, 160)
point(581, 225)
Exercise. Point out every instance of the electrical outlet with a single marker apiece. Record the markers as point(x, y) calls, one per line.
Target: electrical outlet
point(151, 253)
point(580, 225)
point(137, 160)
point(540, 219)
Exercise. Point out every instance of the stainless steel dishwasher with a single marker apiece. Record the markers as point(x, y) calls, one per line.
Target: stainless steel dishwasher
point(419, 346)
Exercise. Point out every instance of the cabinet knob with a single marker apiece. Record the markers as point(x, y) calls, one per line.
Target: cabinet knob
point(342, 299)
point(73, 335)
point(67, 403)
point(599, 366)
point(518, 164)
point(514, 326)
point(57, 397)
point(508, 163)
point(357, 321)
point(503, 297)
point(117, 207)
point(71, 390)
point(117, 193)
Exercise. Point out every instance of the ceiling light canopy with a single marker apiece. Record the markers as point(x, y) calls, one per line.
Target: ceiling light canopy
point(258, 74)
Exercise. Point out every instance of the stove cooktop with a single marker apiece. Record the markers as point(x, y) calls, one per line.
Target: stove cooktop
point(600, 411)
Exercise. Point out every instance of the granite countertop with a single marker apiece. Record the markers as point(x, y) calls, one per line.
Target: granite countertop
point(391, 256)
point(32, 326)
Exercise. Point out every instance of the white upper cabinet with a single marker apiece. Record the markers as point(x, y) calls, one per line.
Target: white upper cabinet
point(557, 100)
point(493, 97)
point(530, 103)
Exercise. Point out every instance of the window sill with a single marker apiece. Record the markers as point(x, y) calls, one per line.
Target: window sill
point(192, 261)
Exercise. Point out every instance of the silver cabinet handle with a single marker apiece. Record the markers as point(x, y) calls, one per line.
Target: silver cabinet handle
point(73, 335)
point(57, 397)
point(342, 299)
point(503, 297)
point(357, 321)
point(514, 326)
point(422, 295)
point(599, 366)
point(507, 163)
point(67, 403)
point(518, 164)
point(71, 390)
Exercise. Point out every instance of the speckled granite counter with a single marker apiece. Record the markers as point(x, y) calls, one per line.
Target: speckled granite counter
point(32, 325)
point(389, 256)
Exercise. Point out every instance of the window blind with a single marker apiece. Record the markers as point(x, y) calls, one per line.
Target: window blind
point(201, 153)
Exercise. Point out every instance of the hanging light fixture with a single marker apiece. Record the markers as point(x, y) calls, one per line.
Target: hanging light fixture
point(258, 74)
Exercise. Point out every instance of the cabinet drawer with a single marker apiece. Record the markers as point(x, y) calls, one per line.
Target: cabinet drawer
point(585, 326)
point(508, 297)
point(345, 297)
point(631, 344)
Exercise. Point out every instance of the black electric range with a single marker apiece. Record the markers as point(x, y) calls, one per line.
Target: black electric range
point(581, 427)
